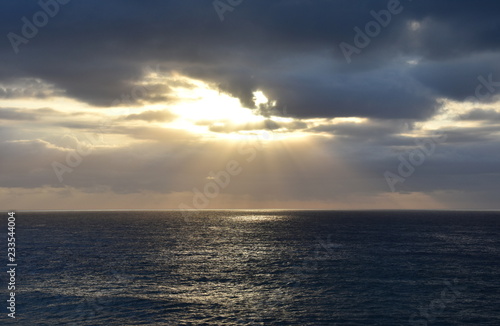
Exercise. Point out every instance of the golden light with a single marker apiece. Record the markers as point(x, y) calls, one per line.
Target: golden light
point(205, 104)
point(201, 108)
point(259, 98)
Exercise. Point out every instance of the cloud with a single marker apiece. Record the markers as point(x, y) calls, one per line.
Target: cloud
point(159, 116)
point(275, 46)
point(228, 127)
point(27, 114)
point(482, 115)
point(15, 114)
point(458, 79)
point(28, 88)
point(364, 131)
point(122, 54)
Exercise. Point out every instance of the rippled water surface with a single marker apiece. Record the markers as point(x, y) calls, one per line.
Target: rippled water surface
point(258, 268)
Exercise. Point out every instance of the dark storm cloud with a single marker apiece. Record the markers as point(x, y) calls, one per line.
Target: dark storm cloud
point(460, 78)
point(456, 28)
point(97, 50)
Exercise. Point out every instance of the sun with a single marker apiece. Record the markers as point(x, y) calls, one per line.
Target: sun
point(205, 104)
point(202, 108)
point(199, 107)
point(259, 98)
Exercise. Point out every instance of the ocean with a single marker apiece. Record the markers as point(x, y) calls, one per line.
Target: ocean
point(256, 267)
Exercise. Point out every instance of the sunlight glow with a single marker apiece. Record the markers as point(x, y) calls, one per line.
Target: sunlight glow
point(452, 114)
point(201, 108)
point(259, 98)
point(205, 104)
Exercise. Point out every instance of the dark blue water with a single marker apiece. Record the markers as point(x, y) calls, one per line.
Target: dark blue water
point(257, 268)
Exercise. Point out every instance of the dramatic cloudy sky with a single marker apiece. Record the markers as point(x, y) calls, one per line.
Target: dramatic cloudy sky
point(336, 104)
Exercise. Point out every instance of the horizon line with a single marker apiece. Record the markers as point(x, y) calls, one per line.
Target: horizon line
point(250, 209)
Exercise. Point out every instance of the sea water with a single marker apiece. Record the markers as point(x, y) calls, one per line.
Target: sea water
point(258, 267)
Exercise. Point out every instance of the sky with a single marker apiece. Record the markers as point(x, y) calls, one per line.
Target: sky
point(286, 104)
